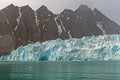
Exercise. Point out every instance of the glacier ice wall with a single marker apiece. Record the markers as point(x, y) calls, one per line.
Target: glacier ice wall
point(92, 48)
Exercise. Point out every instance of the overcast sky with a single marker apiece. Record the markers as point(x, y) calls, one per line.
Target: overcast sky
point(109, 7)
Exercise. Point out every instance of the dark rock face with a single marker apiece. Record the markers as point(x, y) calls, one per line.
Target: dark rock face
point(27, 30)
point(22, 25)
point(81, 22)
point(46, 24)
point(109, 26)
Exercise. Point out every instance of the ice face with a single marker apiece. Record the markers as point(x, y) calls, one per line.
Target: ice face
point(92, 48)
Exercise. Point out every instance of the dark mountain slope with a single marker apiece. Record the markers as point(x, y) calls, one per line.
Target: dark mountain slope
point(22, 25)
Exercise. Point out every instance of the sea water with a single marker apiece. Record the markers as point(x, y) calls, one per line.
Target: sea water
point(94, 70)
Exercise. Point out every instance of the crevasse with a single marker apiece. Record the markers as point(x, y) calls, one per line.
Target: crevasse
point(89, 48)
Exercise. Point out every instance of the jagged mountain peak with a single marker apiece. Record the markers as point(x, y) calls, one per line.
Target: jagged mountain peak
point(67, 11)
point(11, 5)
point(83, 8)
point(96, 11)
point(99, 15)
point(43, 8)
point(43, 11)
point(26, 7)
point(24, 25)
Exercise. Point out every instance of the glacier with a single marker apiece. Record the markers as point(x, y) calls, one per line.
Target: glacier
point(90, 48)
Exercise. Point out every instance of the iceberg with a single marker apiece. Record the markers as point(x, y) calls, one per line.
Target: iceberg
point(90, 48)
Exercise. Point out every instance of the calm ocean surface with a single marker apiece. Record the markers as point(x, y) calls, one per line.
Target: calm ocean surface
point(102, 70)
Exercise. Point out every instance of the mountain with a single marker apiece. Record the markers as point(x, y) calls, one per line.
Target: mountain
point(22, 25)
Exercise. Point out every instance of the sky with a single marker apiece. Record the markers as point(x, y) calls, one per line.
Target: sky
point(108, 7)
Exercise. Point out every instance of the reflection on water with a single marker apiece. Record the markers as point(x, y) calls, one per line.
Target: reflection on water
point(60, 70)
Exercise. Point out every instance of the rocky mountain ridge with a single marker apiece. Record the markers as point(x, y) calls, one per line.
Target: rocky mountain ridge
point(22, 25)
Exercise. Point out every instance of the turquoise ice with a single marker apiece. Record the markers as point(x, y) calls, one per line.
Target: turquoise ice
point(89, 48)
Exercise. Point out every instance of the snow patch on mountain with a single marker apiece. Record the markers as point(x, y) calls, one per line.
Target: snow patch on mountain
point(68, 32)
point(100, 26)
point(61, 26)
point(29, 41)
point(0, 36)
point(68, 18)
point(43, 26)
point(78, 17)
point(7, 21)
point(70, 36)
point(65, 29)
point(19, 38)
point(49, 15)
point(18, 19)
point(58, 26)
point(36, 18)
